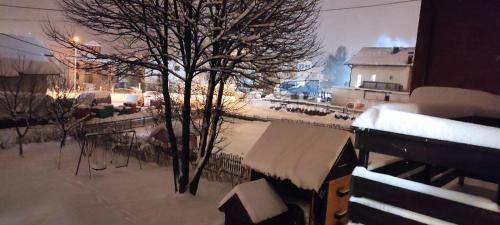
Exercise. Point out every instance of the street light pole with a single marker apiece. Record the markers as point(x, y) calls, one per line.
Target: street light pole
point(76, 39)
point(74, 75)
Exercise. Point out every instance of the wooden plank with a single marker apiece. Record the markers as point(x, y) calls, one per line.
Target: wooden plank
point(337, 200)
point(366, 215)
point(425, 204)
point(423, 46)
point(476, 160)
point(398, 168)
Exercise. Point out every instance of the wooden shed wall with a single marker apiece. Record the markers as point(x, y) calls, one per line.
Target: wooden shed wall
point(457, 45)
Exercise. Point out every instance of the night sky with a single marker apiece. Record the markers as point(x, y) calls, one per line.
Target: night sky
point(354, 28)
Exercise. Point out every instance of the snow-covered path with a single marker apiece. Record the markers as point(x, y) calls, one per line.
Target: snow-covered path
point(33, 191)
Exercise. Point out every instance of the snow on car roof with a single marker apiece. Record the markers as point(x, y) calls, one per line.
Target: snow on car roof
point(300, 152)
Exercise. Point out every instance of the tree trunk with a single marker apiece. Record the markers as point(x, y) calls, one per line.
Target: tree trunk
point(186, 131)
point(168, 102)
point(193, 186)
point(20, 142)
point(170, 130)
point(61, 146)
point(207, 114)
point(20, 137)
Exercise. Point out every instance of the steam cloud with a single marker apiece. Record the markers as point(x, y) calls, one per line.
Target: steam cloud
point(384, 40)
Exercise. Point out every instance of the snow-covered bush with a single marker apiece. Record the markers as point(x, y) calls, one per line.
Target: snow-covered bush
point(37, 134)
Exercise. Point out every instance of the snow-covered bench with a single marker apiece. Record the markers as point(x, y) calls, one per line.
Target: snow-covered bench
point(382, 199)
point(427, 132)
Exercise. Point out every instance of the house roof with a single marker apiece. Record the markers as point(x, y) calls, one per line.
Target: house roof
point(300, 152)
point(259, 200)
point(26, 55)
point(381, 57)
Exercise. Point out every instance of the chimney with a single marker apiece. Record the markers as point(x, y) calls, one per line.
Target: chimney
point(395, 50)
point(410, 58)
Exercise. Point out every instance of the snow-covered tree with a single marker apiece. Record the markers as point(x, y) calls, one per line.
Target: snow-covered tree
point(336, 73)
point(19, 97)
point(225, 40)
point(61, 106)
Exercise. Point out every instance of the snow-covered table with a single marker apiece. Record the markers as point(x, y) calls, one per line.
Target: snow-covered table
point(402, 130)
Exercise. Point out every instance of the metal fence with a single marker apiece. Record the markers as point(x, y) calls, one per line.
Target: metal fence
point(125, 124)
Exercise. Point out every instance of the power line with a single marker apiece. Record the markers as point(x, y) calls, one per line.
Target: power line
point(32, 8)
point(368, 6)
point(19, 50)
point(323, 10)
point(31, 43)
point(34, 20)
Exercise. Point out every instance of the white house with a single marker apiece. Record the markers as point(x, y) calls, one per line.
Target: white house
point(382, 68)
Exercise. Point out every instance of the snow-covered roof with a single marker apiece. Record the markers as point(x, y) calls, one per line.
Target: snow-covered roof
point(259, 199)
point(405, 119)
point(375, 56)
point(27, 55)
point(467, 199)
point(455, 102)
point(299, 152)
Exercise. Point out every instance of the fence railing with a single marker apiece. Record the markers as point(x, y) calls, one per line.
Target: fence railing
point(125, 124)
point(227, 167)
point(269, 119)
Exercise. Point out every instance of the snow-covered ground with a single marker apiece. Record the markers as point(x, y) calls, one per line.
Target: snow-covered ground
point(33, 191)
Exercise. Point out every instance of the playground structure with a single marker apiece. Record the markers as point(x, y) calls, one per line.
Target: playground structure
point(96, 147)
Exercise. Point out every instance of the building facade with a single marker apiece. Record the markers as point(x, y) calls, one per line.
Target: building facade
point(382, 68)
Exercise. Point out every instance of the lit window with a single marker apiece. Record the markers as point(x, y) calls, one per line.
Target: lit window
point(374, 77)
point(359, 80)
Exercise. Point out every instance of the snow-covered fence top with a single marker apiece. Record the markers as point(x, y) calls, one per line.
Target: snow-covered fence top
point(300, 152)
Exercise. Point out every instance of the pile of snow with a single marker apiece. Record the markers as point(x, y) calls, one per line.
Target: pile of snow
point(467, 199)
point(259, 199)
point(302, 153)
point(403, 119)
point(455, 102)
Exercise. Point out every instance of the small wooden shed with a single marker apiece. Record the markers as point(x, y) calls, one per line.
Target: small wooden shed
point(254, 202)
point(309, 165)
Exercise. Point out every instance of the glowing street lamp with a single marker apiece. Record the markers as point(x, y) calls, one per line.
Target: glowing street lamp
point(76, 39)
